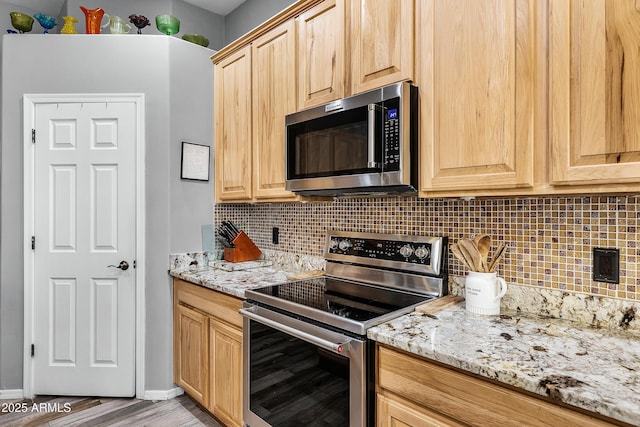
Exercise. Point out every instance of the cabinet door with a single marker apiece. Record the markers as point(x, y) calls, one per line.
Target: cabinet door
point(274, 92)
point(392, 412)
point(191, 346)
point(476, 77)
point(321, 74)
point(226, 372)
point(381, 42)
point(232, 95)
point(594, 91)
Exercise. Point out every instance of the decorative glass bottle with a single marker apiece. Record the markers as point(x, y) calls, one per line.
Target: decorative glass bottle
point(69, 25)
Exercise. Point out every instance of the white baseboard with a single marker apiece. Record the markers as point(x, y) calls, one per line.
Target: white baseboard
point(148, 394)
point(162, 394)
point(11, 394)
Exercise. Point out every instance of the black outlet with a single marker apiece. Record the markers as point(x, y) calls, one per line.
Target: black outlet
point(275, 235)
point(606, 265)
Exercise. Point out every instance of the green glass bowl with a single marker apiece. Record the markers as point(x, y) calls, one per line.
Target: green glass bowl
point(21, 21)
point(197, 39)
point(168, 24)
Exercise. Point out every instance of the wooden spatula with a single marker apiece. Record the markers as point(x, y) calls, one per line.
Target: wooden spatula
point(470, 252)
point(483, 243)
point(455, 249)
point(502, 249)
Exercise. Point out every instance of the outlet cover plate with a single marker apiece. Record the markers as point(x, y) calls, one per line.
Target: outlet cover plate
point(606, 265)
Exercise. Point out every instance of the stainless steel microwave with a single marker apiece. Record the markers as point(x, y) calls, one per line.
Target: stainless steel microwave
point(363, 144)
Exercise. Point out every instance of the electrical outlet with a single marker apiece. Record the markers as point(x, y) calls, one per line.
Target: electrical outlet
point(606, 265)
point(275, 235)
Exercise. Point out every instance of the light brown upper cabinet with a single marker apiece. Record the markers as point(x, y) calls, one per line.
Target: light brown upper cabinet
point(594, 66)
point(380, 42)
point(298, 59)
point(476, 65)
point(351, 46)
point(274, 96)
point(253, 92)
point(232, 120)
point(321, 70)
point(522, 97)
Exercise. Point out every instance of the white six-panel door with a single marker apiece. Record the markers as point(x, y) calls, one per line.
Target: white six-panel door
point(84, 307)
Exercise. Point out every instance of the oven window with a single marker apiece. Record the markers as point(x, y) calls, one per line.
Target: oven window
point(294, 383)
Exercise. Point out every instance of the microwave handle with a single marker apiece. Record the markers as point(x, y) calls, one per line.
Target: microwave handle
point(372, 112)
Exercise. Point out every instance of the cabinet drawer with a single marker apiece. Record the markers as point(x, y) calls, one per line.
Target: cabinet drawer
point(395, 411)
point(216, 304)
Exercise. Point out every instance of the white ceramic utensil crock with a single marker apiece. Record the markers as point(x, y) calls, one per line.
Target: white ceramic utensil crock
point(483, 292)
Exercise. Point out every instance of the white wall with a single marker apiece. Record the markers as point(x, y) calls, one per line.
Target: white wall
point(176, 78)
point(249, 15)
point(195, 122)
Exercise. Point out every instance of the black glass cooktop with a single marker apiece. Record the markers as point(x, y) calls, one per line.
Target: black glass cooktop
point(344, 304)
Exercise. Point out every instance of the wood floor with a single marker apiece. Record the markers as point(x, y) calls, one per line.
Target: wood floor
point(99, 411)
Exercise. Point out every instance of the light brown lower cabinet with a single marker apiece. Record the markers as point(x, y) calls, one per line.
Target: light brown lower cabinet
point(398, 412)
point(190, 353)
point(225, 368)
point(413, 391)
point(207, 346)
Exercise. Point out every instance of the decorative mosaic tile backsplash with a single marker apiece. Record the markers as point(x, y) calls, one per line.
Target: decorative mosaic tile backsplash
point(550, 239)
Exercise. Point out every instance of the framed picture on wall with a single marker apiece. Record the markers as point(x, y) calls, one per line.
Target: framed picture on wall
point(195, 161)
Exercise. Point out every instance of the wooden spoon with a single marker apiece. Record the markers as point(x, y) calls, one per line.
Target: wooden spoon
point(455, 249)
point(483, 243)
point(470, 251)
point(499, 253)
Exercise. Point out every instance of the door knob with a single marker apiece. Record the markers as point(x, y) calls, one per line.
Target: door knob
point(124, 265)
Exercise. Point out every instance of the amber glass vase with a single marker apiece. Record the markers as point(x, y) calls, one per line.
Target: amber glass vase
point(93, 19)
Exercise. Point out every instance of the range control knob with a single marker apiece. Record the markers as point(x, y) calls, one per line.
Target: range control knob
point(333, 243)
point(344, 245)
point(422, 252)
point(406, 251)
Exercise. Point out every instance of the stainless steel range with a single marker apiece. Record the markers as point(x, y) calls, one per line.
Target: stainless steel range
point(307, 360)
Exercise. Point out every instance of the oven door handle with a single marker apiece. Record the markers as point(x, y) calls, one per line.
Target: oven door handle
point(338, 344)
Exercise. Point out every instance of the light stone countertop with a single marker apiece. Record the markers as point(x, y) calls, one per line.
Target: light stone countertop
point(230, 282)
point(594, 369)
point(197, 268)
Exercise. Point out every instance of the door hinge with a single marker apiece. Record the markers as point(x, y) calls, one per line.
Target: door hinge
point(33, 136)
point(33, 350)
point(33, 242)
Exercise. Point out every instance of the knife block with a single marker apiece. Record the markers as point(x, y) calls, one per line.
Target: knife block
point(245, 249)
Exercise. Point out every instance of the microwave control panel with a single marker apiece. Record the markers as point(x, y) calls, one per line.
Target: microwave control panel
point(392, 134)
